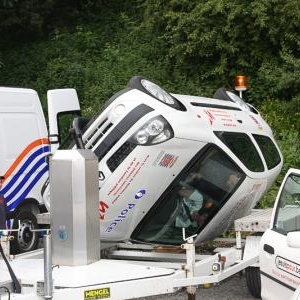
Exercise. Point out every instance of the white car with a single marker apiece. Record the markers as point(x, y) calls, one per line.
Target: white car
point(280, 244)
point(170, 161)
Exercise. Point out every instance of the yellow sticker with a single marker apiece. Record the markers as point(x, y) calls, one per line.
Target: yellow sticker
point(97, 294)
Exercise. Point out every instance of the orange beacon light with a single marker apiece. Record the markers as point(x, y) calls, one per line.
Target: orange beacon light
point(240, 84)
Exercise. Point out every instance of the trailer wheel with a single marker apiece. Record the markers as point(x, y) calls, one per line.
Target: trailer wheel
point(253, 281)
point(24, 239)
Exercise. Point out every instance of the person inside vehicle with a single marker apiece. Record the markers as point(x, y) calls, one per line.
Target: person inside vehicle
point(190, 202)
point(232, 181)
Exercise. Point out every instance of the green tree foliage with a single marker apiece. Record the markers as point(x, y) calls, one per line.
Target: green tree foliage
point(215, 40)
point(187, 46)
point(32, 19)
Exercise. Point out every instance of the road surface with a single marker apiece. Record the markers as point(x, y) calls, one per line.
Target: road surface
point(233, 288)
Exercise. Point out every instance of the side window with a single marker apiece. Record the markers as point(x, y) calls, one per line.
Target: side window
point(287, 216)
point(268, 150)
point(195, 198)
point(241, 145)
point(64, 124)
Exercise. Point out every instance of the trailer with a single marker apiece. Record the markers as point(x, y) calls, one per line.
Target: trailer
point(131, 271)
point(70, 264)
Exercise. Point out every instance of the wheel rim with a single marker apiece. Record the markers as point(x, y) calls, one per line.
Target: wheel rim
point(26, 238)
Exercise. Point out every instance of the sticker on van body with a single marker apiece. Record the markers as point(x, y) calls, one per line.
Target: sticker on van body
point(287, 266)
point(96, 294)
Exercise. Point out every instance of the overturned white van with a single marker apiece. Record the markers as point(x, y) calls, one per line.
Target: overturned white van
point(170, 161)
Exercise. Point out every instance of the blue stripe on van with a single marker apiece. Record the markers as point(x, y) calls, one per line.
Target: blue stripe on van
point(29, 188)
point(29, 160)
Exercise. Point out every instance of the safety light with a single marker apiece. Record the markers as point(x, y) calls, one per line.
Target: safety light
point(240, 84)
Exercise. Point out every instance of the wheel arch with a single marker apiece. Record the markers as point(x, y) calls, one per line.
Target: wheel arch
point(28, 204)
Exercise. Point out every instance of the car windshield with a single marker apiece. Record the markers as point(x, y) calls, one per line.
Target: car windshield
point(193, 200)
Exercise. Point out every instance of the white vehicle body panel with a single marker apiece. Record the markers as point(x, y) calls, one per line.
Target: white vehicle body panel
point(280, 251)
point(23, 158)
point(25, 145)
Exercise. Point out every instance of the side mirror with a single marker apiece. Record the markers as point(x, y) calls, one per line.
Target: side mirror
point(293, 239)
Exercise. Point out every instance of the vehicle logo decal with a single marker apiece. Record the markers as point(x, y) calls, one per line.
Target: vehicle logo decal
point(140, 194)
point(97, 294)
point(287, 266)
point(101, 176)
point(168, 160)
point(123, 214)
point(62, 233)
point(102, 209)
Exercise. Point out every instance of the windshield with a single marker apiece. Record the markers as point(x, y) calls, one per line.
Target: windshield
point(193, 200)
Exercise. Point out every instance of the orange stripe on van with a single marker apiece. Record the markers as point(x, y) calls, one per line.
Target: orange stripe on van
point(23, 154)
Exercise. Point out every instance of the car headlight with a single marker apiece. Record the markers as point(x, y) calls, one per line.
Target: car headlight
point(157, 92)
point(148, 87)
point(238, 101)
point(155, 131)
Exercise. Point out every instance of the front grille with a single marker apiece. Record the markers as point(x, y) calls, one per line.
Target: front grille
point(91, 140)
point(103, 141)
point(114, 161)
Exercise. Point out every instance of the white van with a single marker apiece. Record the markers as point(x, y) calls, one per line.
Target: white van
point(23, 157)
point(170, 161)
point(280, 244)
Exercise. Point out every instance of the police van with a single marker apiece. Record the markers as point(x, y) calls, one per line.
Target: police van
point(23, 157)
point(171, 161)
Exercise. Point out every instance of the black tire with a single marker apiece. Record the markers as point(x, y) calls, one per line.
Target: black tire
point(253, 281)
point(24, 239)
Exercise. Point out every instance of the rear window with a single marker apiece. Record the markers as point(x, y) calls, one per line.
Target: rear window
point(241, 145)
point(268, 149)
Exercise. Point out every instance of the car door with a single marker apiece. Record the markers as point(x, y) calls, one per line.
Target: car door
point(280, 244)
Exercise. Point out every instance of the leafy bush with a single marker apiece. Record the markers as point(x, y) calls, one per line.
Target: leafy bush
point(185, 46)
point(283, 118)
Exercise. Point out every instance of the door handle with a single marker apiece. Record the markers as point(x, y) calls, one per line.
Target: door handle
point(269, 249)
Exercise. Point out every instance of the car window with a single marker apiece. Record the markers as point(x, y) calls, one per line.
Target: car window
point(287, 217)
point(242, 146)
point(195, 198)
point(268, 149)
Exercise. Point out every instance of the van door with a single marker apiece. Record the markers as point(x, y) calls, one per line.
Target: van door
point(280, 249)
point(60, 101)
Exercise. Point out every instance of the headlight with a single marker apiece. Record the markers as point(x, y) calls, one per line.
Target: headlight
point(238, 101)
point(155, 131)
point(157, 92)
point(224, 94)
point(148, 87)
